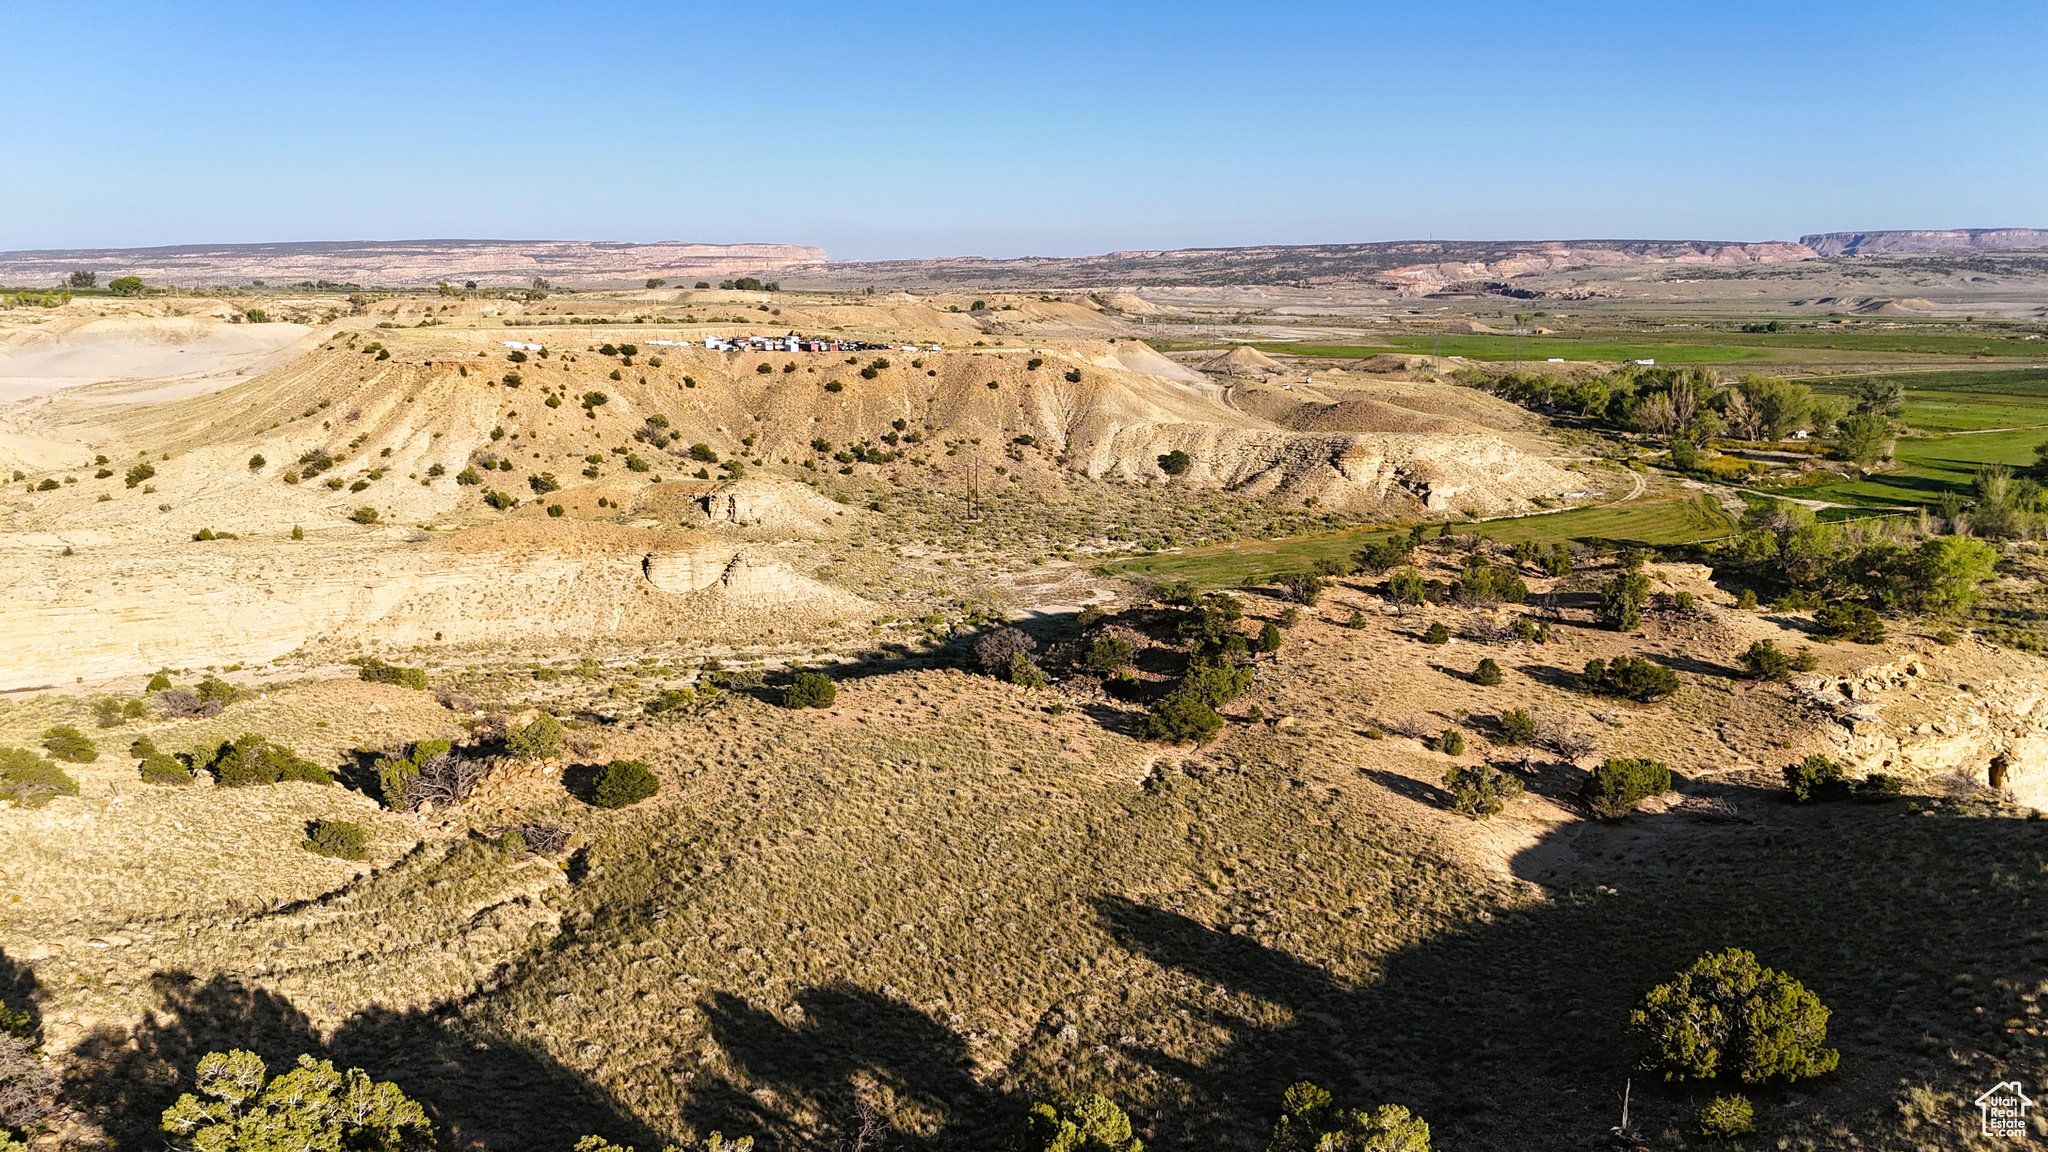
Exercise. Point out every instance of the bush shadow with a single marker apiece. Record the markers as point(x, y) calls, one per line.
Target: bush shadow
point(1419, 791)
point(481, 1089)
point(845, 1043)
point(1531, 1001)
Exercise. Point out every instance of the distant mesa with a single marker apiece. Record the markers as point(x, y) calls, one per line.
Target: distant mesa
point(1911, 240)
point(1404, 266)
point(414, 263)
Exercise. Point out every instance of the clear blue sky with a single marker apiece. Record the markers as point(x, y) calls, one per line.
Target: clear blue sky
point(1006, 129)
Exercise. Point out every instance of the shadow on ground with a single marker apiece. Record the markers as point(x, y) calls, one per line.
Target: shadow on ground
point(482, 1091)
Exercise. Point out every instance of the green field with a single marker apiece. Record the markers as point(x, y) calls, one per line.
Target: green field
point(1249, 562)
point(1962, 401)
point(1930, 466)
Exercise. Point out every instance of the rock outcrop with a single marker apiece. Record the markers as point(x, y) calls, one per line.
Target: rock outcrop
point(1977, 715)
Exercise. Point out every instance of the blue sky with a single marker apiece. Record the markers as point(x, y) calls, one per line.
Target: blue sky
point(903, 130)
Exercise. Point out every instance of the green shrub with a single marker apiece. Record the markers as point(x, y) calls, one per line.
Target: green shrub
point(1407, 587)
point(341, 839)
point(1764, 660)
point(810, 690)
point(1630, 677)
point(1025, 672)
point(1621, 601)
point(1176, 462)
point(1878, 787)
point(1270, 637)
point(1304, 587)
point(1517, 726)
point(623, 782)
point(1107, 654)
point(1182, 717)
point(313, 1106)
point(1480, 790)
point(1382, 555)
point(1437, 633)
point(65, 742)
point(1617, 785)
point(1450, 742)
point(1945, 571)
point(502, 501)
point(215, 690)
point(670, 700)
point(1214, 684)
point(1482, 583)
point(139, 473)
point(1488, 673)
point(376, 671)
point(1814, 778)
point(1726, 1117)
point(542, 739)
point(1845, 621)
point(1311, 1121)
point(159, 767)
point(250, 759)
point(1085, 1124)
point(364, 515)
point(158, 683)
point(1728, 1015)
point(29, 780)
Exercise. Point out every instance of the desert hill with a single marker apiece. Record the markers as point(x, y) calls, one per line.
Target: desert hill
point(456, 491)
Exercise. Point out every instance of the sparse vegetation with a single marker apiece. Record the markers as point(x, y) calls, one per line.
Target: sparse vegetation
point(375, 671)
